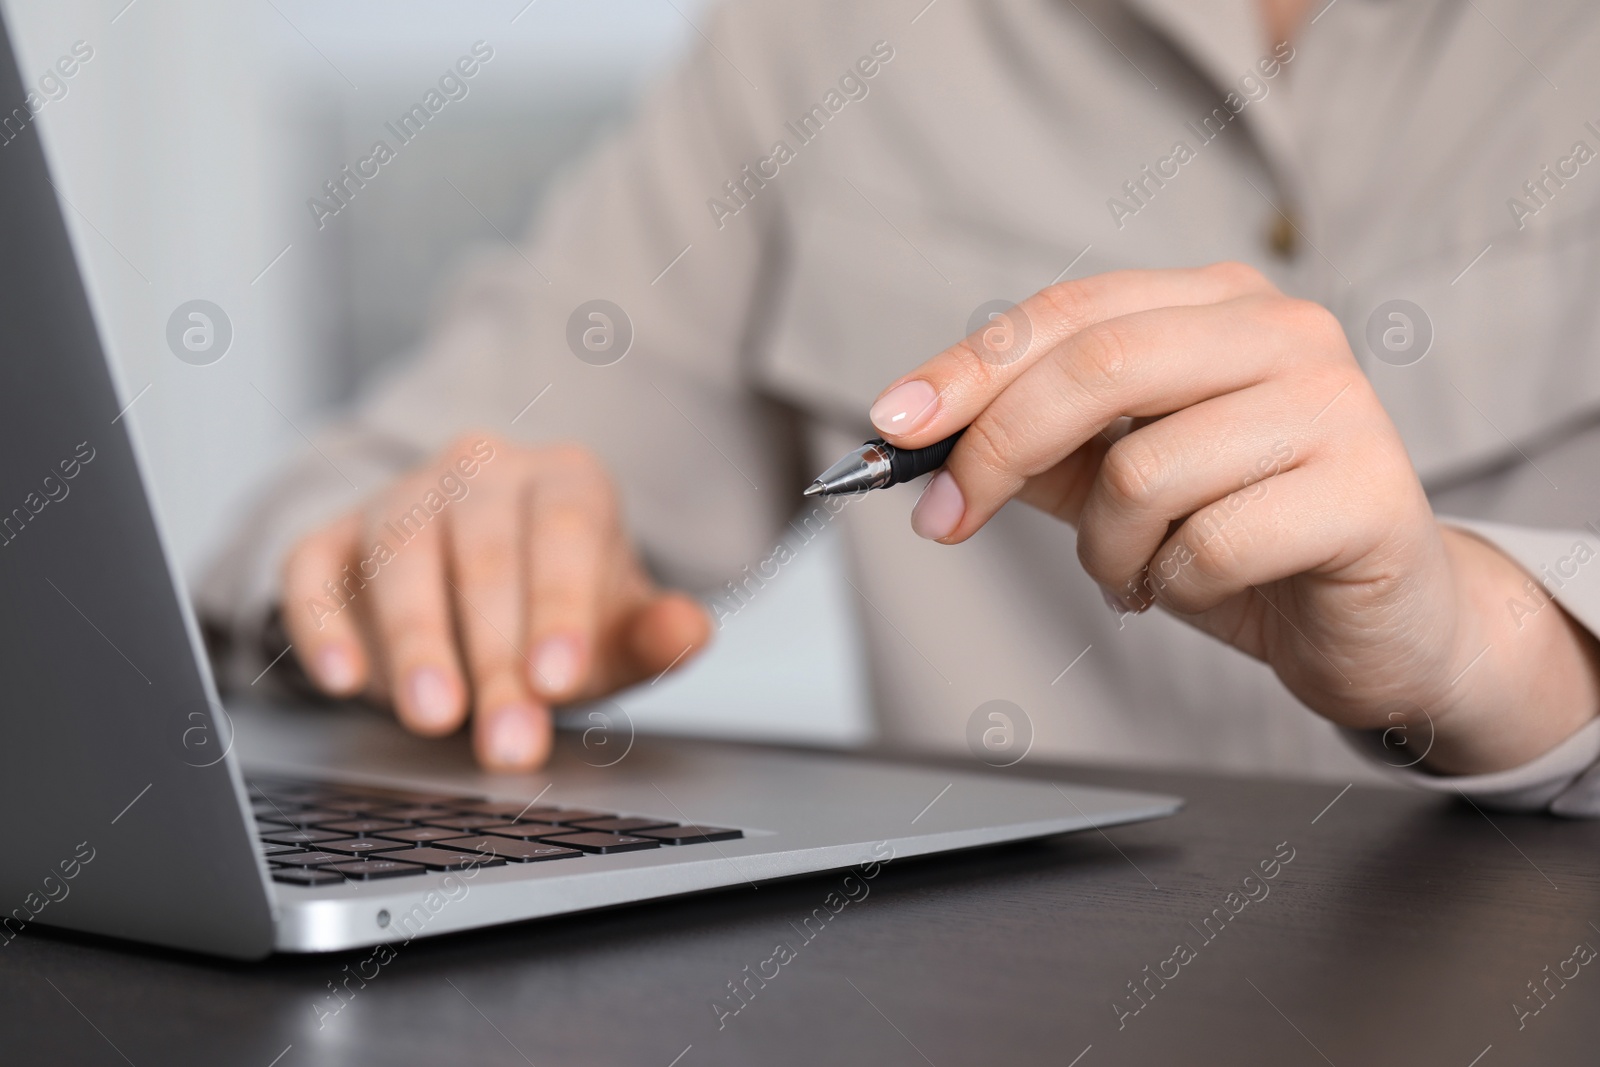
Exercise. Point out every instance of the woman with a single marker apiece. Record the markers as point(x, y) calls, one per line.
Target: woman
point(1395, 327)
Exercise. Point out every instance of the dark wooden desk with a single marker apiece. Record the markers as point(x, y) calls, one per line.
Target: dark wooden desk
point(1402, 932)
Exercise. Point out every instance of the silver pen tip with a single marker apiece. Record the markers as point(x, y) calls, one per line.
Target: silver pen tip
point(814, 489)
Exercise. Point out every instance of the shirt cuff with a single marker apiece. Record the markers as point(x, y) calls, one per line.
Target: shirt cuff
point(1565, 780)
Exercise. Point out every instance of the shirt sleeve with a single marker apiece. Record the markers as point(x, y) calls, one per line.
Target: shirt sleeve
point(1566, 779)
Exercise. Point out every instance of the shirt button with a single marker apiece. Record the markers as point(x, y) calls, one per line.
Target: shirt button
point(1282, 237)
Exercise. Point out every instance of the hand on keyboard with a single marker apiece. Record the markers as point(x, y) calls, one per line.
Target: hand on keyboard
point(497, 576)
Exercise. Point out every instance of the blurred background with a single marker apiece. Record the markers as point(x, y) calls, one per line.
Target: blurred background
point(186, 148)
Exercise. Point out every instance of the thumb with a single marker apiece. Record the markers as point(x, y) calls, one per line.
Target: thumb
point(666, 632)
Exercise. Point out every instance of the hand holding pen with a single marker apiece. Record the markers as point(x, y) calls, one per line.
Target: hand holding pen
point(1262, 495)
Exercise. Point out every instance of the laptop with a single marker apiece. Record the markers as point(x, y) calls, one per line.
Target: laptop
point(134, 803)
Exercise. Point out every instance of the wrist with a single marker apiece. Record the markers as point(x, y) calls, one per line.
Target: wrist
point(1525, 675)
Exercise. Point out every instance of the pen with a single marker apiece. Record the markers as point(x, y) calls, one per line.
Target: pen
point(878, 465)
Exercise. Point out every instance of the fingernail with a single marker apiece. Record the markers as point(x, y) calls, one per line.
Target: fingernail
point(1113, 602)
point(905, 407)
point(939, 509)
point(513, 738)
point(555, 664)
point(336, 669)
point(433, 698)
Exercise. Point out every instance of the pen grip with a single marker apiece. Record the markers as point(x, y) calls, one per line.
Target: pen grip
point(909, 463)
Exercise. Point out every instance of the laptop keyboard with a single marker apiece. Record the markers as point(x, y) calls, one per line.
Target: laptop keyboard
point(325, 833)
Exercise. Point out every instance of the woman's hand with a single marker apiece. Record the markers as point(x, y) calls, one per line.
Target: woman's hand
point(496, 572)
point(1222, 455)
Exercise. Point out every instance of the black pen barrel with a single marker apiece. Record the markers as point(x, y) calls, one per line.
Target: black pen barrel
point(909, 463)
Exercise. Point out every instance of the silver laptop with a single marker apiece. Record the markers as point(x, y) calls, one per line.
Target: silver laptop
point(134, 804)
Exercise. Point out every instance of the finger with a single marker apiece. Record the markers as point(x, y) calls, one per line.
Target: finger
point(1297, 522)
point(326, 637)
point(1165, 471)
point(657, 632)
point(572, 542)
point(1063, 490)
point(1147, 363)
point(511, 727)
point(410, 611)
point(947, 392)
point(663, 633)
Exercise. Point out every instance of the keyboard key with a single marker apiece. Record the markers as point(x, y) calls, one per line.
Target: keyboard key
point(604, 844)
point(268, 809)
point(418, 835)
point(465, 824)
point(691, 835)
point(439, 859)
point(276, 812)
point(623, 825)
point(568, 816)
point(328, 801)
point(301, 837)
point(309, 859)
point(311, 817)
point(264, 827)
point(414, 796)
point(306, 876)
point(507, 809)
point(367, 870)
point(352, 806)
point(361, 846)
point(522, 831)
point(515, 851)
point(413, 813)
point(362, 827)
point(276, 850)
